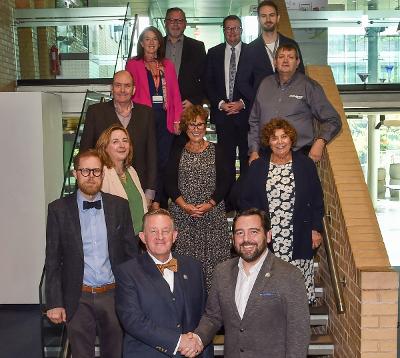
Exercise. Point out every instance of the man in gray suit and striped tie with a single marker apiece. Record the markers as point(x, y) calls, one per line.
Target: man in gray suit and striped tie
point(259, 299)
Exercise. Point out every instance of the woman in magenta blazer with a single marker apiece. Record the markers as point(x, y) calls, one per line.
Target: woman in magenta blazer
point(156, 85)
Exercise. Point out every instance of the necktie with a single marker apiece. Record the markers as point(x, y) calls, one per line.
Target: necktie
point(232, 73)
point(171, 264)
point(92, 204)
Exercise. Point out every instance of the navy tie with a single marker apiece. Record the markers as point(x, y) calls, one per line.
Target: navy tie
point(92, 204)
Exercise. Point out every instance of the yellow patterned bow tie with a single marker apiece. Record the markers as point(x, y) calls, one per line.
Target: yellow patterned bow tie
point(171, 264)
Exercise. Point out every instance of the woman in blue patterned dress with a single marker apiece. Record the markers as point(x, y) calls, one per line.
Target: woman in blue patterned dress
point(285, 184)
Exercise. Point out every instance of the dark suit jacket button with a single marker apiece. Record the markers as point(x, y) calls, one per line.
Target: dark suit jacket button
point(241, 330)
point(242, 350)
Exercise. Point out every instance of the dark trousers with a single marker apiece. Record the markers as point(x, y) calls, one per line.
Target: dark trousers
point(164, 144)
point(95, 316)
point(232, 134)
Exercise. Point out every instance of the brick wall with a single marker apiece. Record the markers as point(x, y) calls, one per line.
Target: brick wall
point(8, 73)
point(369, 326)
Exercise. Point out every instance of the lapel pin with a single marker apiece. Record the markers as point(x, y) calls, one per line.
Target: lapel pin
point(267, 275)
point(185, 277)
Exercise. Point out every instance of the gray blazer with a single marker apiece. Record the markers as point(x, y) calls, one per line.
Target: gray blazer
point(276, 322)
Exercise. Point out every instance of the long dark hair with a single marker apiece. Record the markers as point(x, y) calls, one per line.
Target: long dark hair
point(161, 49)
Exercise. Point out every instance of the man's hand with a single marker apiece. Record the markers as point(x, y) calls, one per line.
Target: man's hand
point(316, 238)
point(190, 345)
point(232, 107)
point(316, 150)
point(186, 104)
point(57, 315)
point(253, 156)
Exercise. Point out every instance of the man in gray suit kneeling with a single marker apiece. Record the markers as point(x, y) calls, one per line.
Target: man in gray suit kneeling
point(259, 299)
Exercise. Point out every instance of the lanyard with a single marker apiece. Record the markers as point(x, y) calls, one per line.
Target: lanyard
point(272, 53)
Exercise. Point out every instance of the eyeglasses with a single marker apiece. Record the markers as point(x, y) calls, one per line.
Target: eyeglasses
point(201, 125)
point(85, 172)
point(176, 21)
point(232, 29)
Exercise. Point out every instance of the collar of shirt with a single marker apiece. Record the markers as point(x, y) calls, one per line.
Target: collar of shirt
point(115, 107)
point(286, 84)
point(237, 47)
point(80, 199)
point(180, 38)
point(255, 269)
point(168, 275)
point(157, 261)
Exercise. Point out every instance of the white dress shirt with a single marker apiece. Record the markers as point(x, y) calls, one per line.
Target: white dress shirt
point(168, 274)
point(245, 283)
point(228, 53)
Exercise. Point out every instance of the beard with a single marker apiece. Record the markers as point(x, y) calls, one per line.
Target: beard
point(90, 188)
point(252, 256)
point(269, 28)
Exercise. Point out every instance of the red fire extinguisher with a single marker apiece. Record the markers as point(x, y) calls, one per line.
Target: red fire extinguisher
point(54, 60)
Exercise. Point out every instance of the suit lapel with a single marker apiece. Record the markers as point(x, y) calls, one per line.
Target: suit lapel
point(184, 278)
point(73, 211)
point(261, 283)
point(160, 284)
point(221, 64)
point(232, 287)
point(184, 56)
point(109, 218)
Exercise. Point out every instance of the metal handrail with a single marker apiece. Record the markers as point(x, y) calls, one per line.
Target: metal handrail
point(337, 283)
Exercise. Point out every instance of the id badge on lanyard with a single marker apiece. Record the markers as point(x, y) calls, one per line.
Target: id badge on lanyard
point(157, 98)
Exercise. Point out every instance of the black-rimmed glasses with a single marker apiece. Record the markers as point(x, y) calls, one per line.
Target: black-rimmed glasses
point(86, 171)
point(201, 125)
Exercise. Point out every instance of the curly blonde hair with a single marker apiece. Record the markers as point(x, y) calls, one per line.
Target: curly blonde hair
point(104, 141)
point(269, 129)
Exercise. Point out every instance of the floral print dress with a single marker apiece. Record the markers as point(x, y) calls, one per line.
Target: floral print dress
point(281, 197)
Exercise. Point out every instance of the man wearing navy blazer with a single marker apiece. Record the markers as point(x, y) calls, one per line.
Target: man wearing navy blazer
point(160, 297)
point(230, 102)
point(88, 234)
point(260, 299)
point(261, 51)
point(188, 56)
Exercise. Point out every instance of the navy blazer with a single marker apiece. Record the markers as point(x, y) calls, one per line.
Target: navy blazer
point(258, 63)
point(214, 81)
point(64, 249)
point(145, 306)
point(308, 205)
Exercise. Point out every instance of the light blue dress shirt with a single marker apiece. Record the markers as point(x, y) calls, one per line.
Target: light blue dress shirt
point(97, 269)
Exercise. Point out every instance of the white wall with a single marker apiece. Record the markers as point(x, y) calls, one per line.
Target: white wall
point(32, 174)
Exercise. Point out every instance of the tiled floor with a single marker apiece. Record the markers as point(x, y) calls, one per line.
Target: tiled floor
point(388, 214)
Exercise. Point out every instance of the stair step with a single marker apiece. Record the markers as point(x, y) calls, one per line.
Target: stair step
point(319, 345)
point(319, 315)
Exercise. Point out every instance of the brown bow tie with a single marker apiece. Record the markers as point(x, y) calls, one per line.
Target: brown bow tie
point(171, 264)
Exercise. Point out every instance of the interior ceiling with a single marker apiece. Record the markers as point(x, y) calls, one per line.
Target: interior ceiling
point(192, 8)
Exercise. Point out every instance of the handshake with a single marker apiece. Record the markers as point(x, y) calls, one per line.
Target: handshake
point(190, 345)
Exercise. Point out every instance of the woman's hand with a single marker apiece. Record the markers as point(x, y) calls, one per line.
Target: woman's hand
point(316, 238)
point(205, 207)
point(192, 210)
